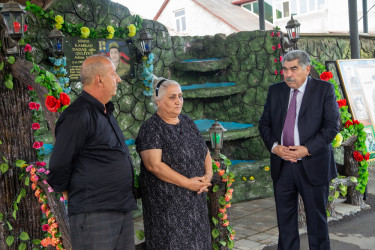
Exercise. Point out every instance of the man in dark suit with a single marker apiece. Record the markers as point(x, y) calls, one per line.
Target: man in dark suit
point(299, 122)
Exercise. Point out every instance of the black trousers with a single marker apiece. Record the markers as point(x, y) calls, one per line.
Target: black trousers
point(291, 182)
point(108, 230)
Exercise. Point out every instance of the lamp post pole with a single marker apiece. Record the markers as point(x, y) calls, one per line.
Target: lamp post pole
point(353, 25)
point(262, 25)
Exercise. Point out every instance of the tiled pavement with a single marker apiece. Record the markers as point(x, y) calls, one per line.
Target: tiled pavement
point(255, 222)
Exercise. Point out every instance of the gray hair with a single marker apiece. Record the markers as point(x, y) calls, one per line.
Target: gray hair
point(302, 56)
point(162, 88)
point(90, 69)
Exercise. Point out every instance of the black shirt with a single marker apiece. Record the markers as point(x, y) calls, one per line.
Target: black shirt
point(90, 159)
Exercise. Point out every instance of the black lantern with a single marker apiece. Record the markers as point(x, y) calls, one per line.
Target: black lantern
point(292, 28)
point(14, 19)
point(56, 42)
point(216, 136)
point(145, 39)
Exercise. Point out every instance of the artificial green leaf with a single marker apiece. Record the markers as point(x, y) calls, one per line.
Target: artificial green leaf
point(215, 188)
point(337, 194)
point(15, 206)
point(27, 181)
point(230, 244)
point(223, 243)
point(8, 84)
point(222, 201)
point(227, 162)
point(11, 60)
point(214, 220)
point(19, 197)
point(2, 65)
point(9, 226)
point(22, 246)
point(353, 179)
point(24, 236)
point(4, 159)
point(4, 167)
point(215, 246)
point(36, 241)
point(23, 192)
point(328, 213)
point(140, 234)
point(9, 240)
point(20, 163)
point(14, 214)
point(215, 233)
point(330, 198)
point(1, 217)
point(331, 188)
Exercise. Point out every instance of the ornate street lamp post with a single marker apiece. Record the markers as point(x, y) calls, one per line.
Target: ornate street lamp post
point(216, 136)
point(13, 24)
point(292, 28)
point(56, 42)
point(146, 42)
point(14, 19)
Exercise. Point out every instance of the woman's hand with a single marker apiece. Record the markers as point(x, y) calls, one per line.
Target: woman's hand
point(198, 184)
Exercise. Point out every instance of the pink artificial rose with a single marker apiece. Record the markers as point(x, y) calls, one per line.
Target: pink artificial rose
point(50, 189)
point(25, 28)
point(275, 72)
point(278, 34)
point(279, 46)
point(47, 172)
point(27, 48)
point(281, 72)
point(45, 182)
point(273, 47)
point(35, 126)
point(41, 164)
point(62, 198)
point(37, 145)
point(281, 58)
point(37, 106)
point(275, 60)
point(29, 168)
point(41, 170)
point(272, 34)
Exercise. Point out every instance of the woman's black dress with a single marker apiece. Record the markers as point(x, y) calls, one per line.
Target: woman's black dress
point(174, 217)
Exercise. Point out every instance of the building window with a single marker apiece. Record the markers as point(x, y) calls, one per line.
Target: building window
point(180, 20)
point(282, 10)
point(254, 8)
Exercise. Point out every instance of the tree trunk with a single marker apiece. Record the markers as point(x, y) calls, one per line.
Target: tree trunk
point(353, 196)
point(213, 207)
point(17, 139)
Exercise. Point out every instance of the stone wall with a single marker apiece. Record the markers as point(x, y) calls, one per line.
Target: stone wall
point(243, 58)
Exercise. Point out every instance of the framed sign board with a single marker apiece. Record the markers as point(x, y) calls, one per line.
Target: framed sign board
point(358, 84)
point(77, 50)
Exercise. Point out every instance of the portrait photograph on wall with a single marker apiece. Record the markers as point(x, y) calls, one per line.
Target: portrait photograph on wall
point(358, 83)
point(121, 55)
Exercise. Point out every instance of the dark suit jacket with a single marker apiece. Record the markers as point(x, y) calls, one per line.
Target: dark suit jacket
point(318, 124)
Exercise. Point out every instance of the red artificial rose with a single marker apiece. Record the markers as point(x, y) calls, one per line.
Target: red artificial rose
point(348, 123)
point(275, 60)
point(29, 87)
point(37, 106)
point(52, 103)
point(325, 76)
point(357, 156)
point(279, 46)
point(32, 105)
point(367, 156)
point(272, 34)
point(64, 99)
point(35, 126)
point(273, 47)
point(356, 122)
point(341, 103)
point(25, 28)
point(27, 48)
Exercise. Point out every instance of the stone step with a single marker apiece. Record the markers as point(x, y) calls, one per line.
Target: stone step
point(234, 130)
point(208, 89)
point(202, 65)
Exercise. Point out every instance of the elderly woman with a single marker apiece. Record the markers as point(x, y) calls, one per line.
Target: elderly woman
point(176, 170)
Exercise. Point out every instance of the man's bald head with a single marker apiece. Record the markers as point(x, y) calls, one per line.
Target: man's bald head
point(92, 66)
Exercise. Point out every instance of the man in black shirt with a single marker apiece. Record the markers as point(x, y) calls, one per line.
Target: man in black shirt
point(91, 163)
